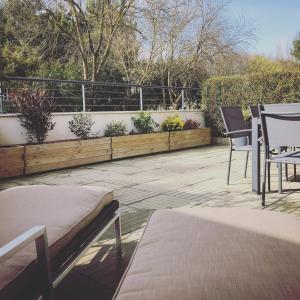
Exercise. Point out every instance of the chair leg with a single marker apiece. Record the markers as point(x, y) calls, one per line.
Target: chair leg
point(263, 194)
point(269, 177)
point(286, 172)
point(229, 166)
point(280, 178)
point(246, 164)
point(279, 174)
point(295, 172)
point(118, 236)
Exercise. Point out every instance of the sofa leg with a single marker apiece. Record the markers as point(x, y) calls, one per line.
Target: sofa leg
point(118, 236)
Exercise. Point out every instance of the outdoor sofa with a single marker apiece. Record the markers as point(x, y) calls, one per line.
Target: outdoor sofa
point(215, 253)
point(68, 219)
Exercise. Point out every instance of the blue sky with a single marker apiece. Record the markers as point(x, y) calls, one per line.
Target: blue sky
point(276, 21)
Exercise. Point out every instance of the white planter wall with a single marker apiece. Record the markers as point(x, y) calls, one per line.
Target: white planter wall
point(11, 132)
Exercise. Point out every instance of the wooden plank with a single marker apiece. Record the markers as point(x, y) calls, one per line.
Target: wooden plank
point(68, 151)
point(135, 137)
point(150, 141)
point(189, 138)
point(128, 146)
point(58, 155)
point(52, 159)
point(117, 155)
point(67, 144)
point(150, 147)
point(65, 164)
point(11, 161)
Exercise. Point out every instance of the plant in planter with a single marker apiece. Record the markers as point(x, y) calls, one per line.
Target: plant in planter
point(115, 128)
point(172, 123)
point(35, 114)
point(144, 122)
point(191, 124)
point(81, 125)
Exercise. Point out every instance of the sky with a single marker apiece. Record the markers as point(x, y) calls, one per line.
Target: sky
point(276, 23)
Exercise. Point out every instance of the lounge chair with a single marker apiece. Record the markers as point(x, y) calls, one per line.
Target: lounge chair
point(62, 222)
point(215, 253)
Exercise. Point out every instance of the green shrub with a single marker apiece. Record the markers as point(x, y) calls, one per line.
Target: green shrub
point(81, 125)
point(172, 123)
point(35, 114)
point(144, 122)
point(115, 128)
point(252, 89)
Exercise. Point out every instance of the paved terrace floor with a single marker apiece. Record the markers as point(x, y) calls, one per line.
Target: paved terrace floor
point(194, 177)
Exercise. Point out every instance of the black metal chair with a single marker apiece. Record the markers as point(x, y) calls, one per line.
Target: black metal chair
point(254, 111)
point(238, 133)
point(280, 129)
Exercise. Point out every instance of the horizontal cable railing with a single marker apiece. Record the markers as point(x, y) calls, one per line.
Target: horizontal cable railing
point(74, 96)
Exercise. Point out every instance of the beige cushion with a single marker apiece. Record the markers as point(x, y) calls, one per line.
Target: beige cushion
point(65, 210)
point(215, 253)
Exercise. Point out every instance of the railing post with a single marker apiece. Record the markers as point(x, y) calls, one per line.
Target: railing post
point(164, 98)
point(1, 101)
point(182, 99)
point(83, 97)
point(141, 98)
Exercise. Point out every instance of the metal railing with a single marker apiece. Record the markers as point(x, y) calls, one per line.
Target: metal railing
point(75, 95)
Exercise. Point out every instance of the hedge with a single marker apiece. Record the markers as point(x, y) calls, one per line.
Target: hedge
point(245, 90)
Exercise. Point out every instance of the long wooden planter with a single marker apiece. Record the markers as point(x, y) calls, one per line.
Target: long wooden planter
point(139, 144)
point(28, 159)
point(11, 161)
point(57, 155)
point(189, 138)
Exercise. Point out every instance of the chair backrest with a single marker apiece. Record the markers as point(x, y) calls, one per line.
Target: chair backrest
point(280, 127)
point(282, 107)
point(234, 120)
point(254, 111)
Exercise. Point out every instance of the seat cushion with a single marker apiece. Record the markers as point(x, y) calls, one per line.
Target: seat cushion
point(215, 253)
point(65, 210)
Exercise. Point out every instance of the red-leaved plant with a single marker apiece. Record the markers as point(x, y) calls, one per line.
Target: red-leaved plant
point(35, 114)
point(191, 124)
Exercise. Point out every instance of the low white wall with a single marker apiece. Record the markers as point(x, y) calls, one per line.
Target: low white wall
point(11, 132)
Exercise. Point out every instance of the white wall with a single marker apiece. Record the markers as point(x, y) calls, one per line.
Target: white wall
point(11, 132)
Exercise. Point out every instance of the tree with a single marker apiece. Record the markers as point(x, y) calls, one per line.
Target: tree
point(296, 47)
point(92, 29)
point(261, 64)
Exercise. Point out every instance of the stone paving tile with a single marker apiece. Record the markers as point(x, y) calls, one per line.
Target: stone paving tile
point(131, 195)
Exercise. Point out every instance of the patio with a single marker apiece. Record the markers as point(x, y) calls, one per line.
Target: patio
point(193, 177)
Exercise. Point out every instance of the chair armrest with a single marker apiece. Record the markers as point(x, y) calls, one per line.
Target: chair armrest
point(38, 234)
point(238, 131)
point(21, 241)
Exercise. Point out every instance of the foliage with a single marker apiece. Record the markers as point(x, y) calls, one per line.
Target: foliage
point(261, 64)
point(191, 124)
point(144, 122)
point(252, 89)
point(172, 123)
point(81, 125)
point(296, 47)
point(35, 114)
point(106, 40)
point(116, 128)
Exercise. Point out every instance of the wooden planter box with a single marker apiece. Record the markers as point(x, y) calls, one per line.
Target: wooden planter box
point(57, 155)
point(139, 144)
point(11, 161)
point(189, 138)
